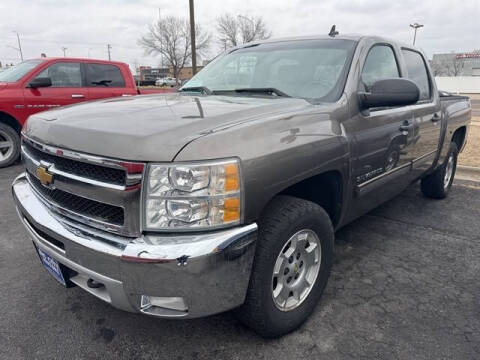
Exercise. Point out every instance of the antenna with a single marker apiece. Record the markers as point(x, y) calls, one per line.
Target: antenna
point(333, 32)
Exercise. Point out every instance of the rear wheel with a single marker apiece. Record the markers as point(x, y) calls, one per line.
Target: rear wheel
point(292, 264)
point(9, 145)
point(438, 184)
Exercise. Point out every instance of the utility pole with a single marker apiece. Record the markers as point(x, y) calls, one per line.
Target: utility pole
point(19, 45)
point(19, 49)
point(64, 49)
point(415, 27)
point(192, 35)
point(109, 47)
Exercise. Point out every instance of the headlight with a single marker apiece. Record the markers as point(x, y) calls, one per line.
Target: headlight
point(192, 196)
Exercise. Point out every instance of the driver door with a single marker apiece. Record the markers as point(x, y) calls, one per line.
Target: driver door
point(67, 88)
point(381, 138)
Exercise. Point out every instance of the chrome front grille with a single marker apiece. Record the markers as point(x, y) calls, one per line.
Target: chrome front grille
point(92, 171)
point(96, 210)
point(102, 193)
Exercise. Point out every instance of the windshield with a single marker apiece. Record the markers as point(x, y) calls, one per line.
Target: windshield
point(309, 69)
point(17, 72)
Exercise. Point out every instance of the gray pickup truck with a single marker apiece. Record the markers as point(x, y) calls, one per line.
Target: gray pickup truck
point(226, 195)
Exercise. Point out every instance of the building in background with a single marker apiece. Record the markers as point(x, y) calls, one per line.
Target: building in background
point(186, 73)
point(148, 73)
point(456, 64)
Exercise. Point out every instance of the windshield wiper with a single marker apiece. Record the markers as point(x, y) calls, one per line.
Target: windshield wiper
point(203, 89)
point(267, 90)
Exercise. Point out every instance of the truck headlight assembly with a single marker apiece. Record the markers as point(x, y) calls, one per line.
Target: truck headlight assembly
point(193, 196)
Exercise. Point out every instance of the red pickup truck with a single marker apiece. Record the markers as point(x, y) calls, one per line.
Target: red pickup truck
point(41, 84)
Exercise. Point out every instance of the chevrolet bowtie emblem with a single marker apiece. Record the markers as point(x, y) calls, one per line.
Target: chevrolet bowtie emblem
point(44, 176)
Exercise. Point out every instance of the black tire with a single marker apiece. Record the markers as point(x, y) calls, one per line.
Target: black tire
point(284, 217)
point(433, 185)
point(10, 155)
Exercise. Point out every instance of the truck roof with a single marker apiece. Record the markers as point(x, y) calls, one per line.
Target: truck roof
point(352, 37)
point(79, 59)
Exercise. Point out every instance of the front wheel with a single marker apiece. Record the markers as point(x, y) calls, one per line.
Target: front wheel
point(438, 184)
point(9, 145)
point(292, 264)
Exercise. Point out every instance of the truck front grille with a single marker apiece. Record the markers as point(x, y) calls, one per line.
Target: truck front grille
point(79, 205)
point(99, 192)
point(91, 171)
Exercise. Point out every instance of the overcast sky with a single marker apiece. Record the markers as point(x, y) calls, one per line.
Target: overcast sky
point(86, 27)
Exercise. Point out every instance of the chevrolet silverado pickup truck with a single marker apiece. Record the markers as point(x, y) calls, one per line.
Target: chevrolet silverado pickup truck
point(227, 194)
point(41, 84)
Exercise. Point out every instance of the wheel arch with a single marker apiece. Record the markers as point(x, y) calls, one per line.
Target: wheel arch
point(9, 120)
point(325, 189)
point(459, 137)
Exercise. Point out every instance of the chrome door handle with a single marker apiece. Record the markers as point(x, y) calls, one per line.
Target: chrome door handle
point(435, 118)
point(77, 96)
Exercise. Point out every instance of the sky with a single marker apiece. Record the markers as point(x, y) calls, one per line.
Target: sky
point(85, 27)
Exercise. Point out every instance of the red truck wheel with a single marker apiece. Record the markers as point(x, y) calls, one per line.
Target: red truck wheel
point(9, 145)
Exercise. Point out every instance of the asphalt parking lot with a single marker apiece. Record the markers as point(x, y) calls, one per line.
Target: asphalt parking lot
point(405, 285)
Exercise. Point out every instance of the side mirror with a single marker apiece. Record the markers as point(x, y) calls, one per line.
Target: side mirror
point(390, 92)
point(40, 82)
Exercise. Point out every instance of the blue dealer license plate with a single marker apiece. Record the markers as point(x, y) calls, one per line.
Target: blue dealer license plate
point(52, 266)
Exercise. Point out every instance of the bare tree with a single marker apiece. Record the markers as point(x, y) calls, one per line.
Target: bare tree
point(457, 66)
point(170, 38)
point(241, 29)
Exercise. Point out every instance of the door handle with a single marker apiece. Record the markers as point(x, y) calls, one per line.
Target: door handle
point(405, 127)
point(78, 96)
point(435, 118)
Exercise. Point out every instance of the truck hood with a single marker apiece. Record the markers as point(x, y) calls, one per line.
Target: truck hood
point(148, 128)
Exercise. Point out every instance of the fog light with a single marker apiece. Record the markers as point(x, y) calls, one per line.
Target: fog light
point(154, 305)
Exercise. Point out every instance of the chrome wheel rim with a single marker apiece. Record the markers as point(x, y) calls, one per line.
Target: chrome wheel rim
point(296, 270)
point(448, 172)
point(6, 145)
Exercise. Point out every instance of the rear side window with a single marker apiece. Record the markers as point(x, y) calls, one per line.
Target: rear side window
point(63, 74)
point(417, 72)
point(103, 75)
point(379, 65)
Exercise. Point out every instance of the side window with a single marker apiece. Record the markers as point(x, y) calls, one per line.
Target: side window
point(417, 72)
point(63, 74)
point(379, 65)
point(103, 75)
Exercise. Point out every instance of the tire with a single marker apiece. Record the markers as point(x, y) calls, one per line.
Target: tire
point(285, 217)
point(9, 145)
point(438, 184)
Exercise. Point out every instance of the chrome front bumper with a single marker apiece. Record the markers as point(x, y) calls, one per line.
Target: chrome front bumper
point(170, 276)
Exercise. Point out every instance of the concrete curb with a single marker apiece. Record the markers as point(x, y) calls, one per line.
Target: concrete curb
point(469, 173)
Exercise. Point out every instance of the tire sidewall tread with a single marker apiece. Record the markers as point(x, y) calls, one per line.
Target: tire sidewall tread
point(284, 217)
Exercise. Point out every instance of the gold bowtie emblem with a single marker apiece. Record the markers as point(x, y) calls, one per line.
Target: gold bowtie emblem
point(44, 176)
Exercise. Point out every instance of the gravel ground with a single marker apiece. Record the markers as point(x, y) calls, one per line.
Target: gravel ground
point(404, 286)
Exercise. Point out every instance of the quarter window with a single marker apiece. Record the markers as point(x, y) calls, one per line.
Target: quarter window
point(417, 72)
point(379, 65)
point(63, 75)
point(103, 75)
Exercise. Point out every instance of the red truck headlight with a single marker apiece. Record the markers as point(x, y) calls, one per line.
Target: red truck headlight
point(193, 196)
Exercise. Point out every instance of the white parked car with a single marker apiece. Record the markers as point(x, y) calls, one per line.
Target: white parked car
point(167, 81)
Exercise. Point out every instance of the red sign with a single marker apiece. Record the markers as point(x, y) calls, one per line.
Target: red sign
point(468, 56)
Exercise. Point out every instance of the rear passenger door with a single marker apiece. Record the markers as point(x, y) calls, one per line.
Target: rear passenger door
point(427, 113)
point(104, 81)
